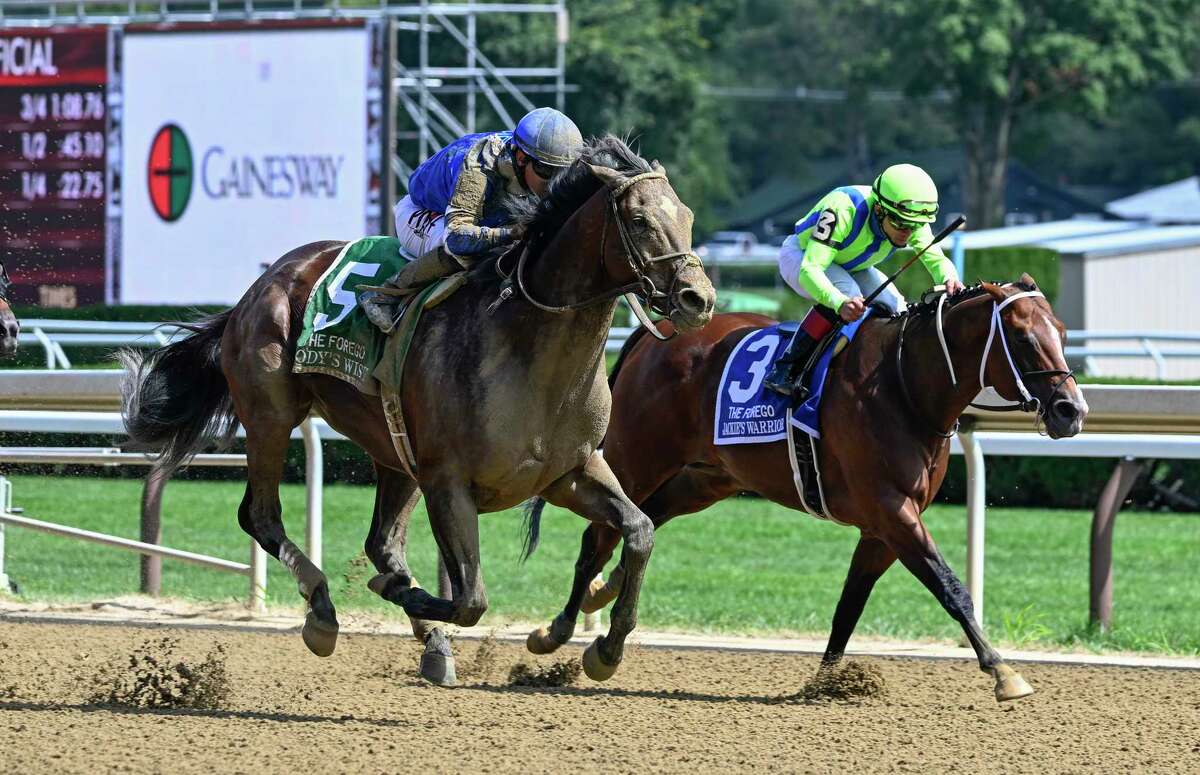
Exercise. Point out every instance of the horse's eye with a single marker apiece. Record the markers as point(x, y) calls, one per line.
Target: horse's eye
point(640, 222)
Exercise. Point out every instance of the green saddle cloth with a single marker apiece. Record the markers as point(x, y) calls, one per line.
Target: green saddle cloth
point(338, 339)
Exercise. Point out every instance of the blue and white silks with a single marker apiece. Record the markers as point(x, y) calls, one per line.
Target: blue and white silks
point(747, 413)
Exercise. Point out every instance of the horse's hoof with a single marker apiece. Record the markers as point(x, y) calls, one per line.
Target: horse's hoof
point(595, 667)
point(319, 636)
point(438, 669)
point(437, 663)
point(540, 642)
point(598, 595)
point(1011, 686)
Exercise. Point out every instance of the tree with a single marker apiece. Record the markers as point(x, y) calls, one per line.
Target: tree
point(640, 65)
point(1003, 58)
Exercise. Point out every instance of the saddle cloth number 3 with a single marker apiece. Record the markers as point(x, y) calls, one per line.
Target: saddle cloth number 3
point(758, 369)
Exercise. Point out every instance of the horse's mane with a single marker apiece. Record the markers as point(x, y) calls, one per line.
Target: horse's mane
point(925, 308)
point(573, 186)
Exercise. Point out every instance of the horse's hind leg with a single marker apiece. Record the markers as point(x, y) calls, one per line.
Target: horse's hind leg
point(396, 495)
point(693, 488)
point(599, 540)
point(260, 515)
point(270, 403)
point(872, 558)
point(592, 491)
point(907, 536)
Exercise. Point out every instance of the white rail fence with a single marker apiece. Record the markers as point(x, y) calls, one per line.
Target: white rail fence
point(1130, 422)
point(110, 423)
point(55, 336)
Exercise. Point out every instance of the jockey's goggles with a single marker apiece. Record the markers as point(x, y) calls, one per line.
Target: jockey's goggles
point(900, 223)
point(541, 169)
point(915, 210)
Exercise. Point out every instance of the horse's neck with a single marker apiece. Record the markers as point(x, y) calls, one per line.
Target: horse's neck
point(938, 399)
point(571, 269)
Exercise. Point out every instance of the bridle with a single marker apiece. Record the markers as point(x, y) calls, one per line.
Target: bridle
point(643, 286)
point(5, 284)
point(1028, 402)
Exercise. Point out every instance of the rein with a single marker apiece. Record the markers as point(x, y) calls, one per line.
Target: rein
point(1028, 402)
point(639, 263)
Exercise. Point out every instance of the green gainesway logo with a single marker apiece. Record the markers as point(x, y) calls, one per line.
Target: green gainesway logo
point(169, 172)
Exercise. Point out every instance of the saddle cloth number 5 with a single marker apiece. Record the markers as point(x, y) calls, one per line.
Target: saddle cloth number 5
point(340, 296)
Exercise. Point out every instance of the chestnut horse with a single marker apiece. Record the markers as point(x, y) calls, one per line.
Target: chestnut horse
point(889, 409)
point(504, 393)
point(10, 329)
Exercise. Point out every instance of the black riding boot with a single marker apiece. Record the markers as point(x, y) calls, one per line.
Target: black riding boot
point(788, 374)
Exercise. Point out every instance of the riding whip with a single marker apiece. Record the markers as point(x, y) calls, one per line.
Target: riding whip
point(941, 235)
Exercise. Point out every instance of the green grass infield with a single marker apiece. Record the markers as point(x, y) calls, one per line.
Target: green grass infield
point(743, 566)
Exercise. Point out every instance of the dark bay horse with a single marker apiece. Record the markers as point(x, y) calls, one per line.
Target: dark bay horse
point(505, 398)
point(889, 409)
point(10, 329)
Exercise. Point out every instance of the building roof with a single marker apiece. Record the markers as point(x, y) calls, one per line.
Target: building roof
point(1177, 202)
point(1139, 240)
point(1041, 233)
point(1089, 238)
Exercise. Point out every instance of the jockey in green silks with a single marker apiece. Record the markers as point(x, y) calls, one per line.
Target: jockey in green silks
point(830, 258)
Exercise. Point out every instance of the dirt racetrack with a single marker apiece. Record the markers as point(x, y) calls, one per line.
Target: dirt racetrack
point(364, 710)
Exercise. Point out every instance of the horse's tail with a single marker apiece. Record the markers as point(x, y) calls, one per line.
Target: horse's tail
point(536, 505)
point(533, 526)
point(177, 397)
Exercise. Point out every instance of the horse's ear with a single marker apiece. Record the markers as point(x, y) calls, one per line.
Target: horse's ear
point(608, 175)
point(654, 165)
point(995, 290)
point(1027, 279)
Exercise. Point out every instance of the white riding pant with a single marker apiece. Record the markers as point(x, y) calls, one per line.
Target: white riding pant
point(861, 283)
point(418, 230)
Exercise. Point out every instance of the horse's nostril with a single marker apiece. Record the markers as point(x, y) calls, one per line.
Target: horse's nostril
point(1066, 409)
point(693, 301)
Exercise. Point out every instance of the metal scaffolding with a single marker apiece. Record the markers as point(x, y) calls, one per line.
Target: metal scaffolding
point(439, 67)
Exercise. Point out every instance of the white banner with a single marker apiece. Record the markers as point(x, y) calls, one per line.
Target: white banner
point(238, 146)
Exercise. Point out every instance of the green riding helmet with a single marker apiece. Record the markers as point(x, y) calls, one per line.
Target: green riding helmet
point(907, 191)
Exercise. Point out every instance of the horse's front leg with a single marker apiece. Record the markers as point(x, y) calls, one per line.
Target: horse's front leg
point(454, 518)
point(907, 536)
point(594, 551)
point(593, 492)
point(396, 495)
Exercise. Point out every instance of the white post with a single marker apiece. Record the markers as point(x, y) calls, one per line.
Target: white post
point(976, 514)
point(258, 578)
point(314, 482)
point(6, 504)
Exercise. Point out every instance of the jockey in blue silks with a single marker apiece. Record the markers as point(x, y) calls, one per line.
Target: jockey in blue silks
point(456, 209)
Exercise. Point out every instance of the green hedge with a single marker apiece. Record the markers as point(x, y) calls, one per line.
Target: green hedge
point(1046, 482)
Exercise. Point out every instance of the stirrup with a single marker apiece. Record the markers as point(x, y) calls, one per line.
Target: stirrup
point(381, 309)
point(781, 380)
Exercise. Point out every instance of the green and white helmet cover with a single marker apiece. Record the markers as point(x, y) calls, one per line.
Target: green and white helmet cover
point(908, 192)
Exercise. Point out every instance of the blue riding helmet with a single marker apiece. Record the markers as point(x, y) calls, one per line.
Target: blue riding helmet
point(549, 137)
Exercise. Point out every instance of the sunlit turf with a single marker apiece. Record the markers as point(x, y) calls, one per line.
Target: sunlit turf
point(745, 565)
